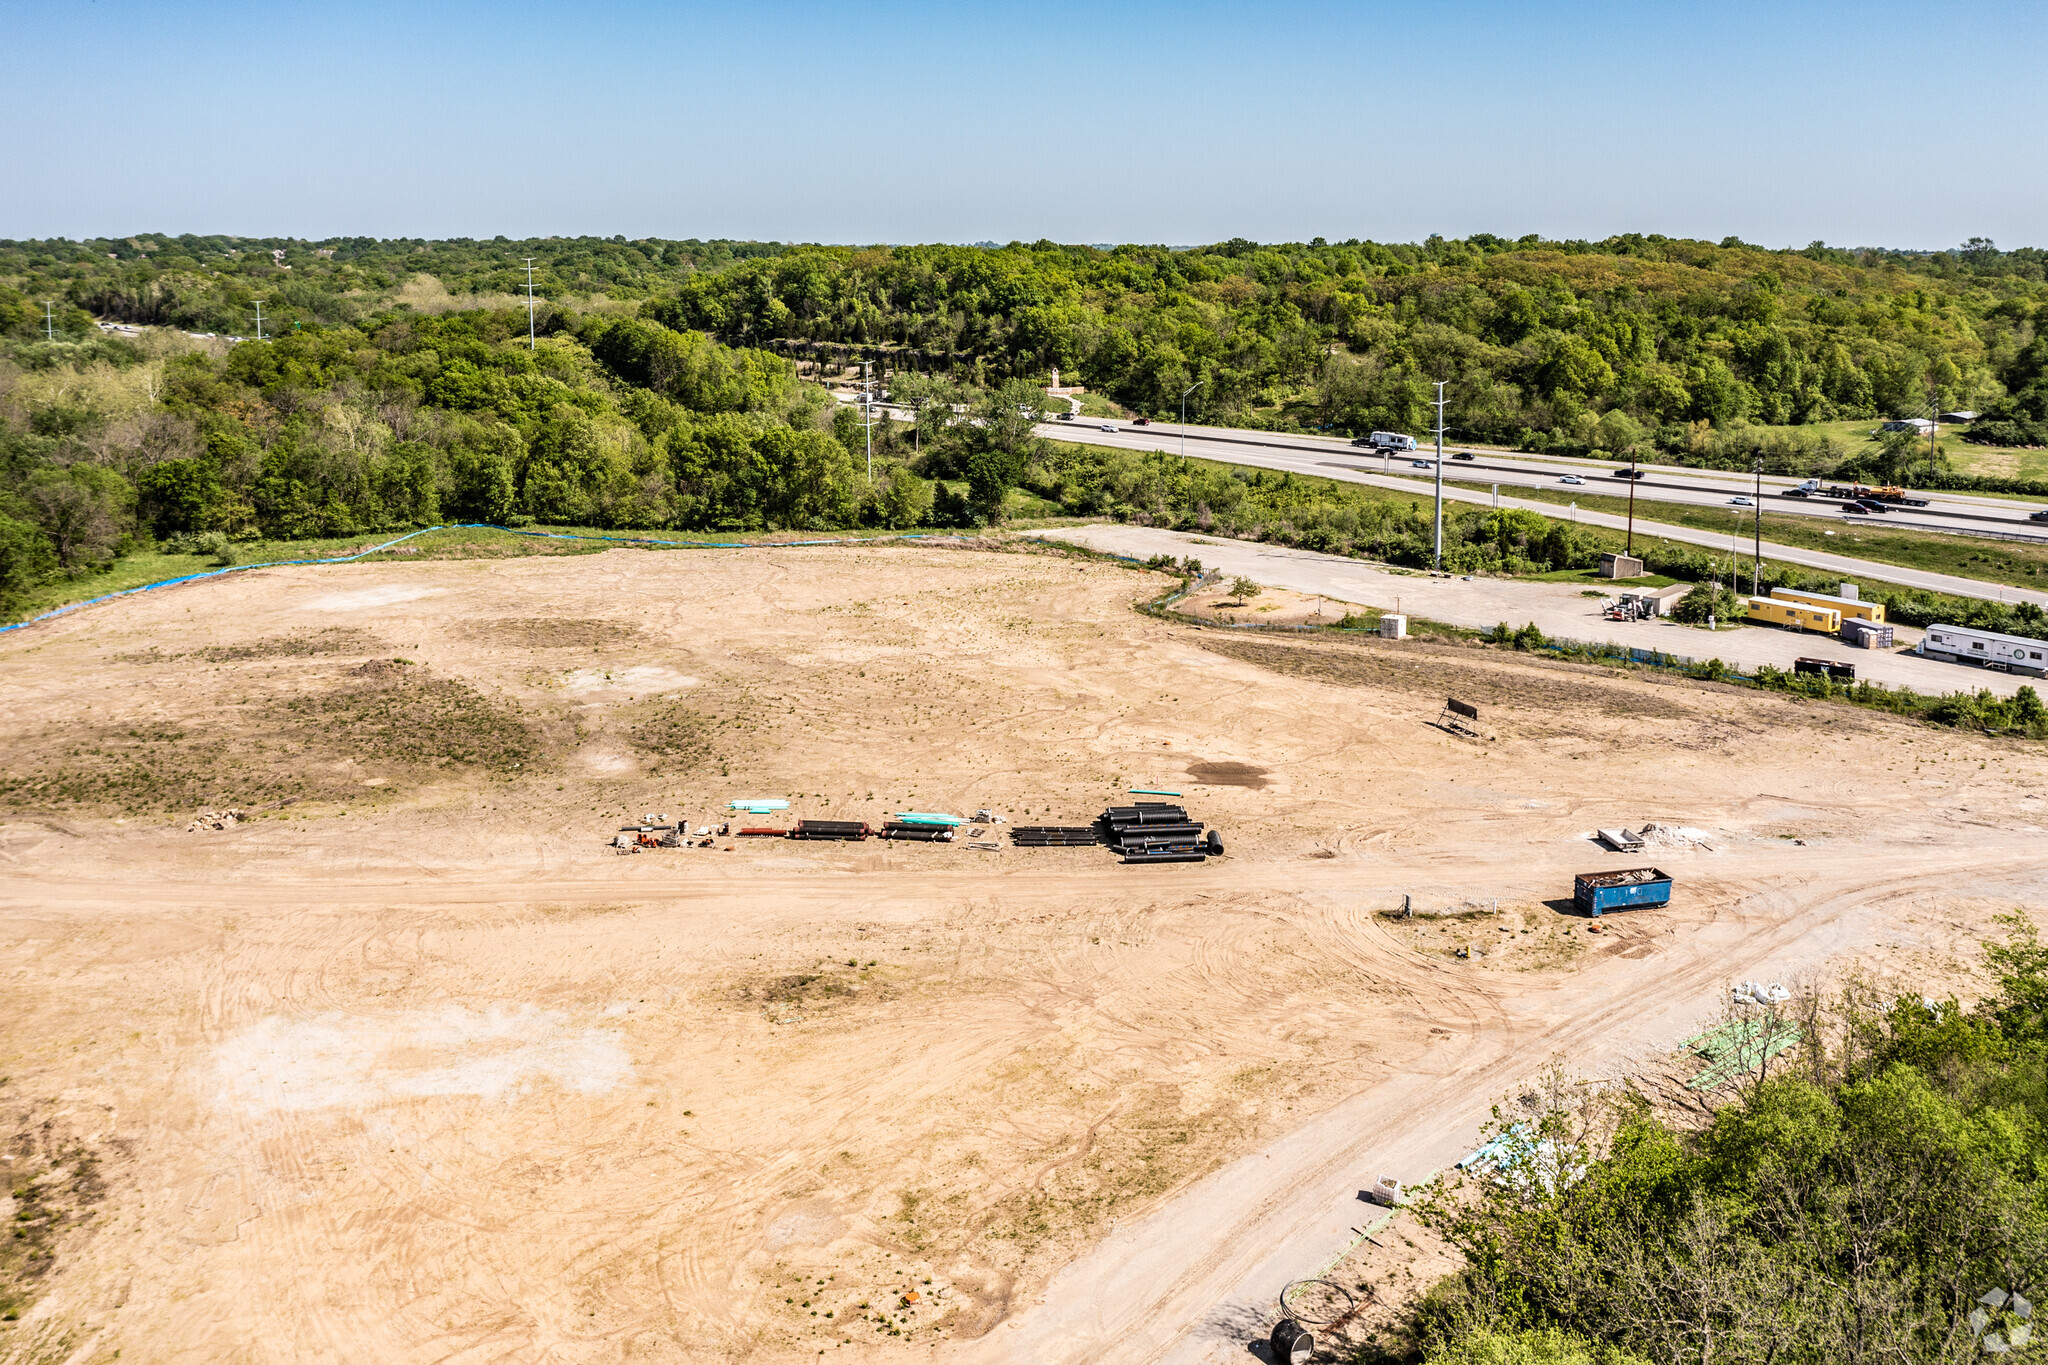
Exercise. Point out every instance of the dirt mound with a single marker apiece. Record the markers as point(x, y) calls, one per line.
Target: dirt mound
point(538, 632)
point(1227, 774)
point(336, 640)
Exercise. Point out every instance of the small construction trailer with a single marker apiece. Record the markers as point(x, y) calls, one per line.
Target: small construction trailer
point(1851, 607)
point(1796, 615)
point(1634, 888)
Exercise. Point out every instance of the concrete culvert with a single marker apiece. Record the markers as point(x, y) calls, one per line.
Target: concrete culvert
point(1215, 843)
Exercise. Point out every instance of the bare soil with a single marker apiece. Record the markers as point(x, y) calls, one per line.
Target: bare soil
point(416, 1067)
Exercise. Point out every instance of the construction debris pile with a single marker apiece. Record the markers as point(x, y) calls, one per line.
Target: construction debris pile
point(1149, 832)
point(216, 819)
point(1737, 1048)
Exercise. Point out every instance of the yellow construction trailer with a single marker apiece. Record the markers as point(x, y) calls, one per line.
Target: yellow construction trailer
point(1798, 615)
point(1852, 608)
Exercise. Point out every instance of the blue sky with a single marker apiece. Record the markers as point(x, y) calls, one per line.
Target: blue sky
point(1880, 123)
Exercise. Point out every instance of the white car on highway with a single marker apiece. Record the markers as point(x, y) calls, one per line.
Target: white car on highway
point(1571, 478)
point(1418, 464)
point(1740, 502)
point(1109, 426)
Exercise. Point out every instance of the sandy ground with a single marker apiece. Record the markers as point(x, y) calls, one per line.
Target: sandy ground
point(1562, 610)
point(415, 1068)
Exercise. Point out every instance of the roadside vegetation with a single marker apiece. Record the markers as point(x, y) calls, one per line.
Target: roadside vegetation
point(1877, 1193)
point(2019, 564)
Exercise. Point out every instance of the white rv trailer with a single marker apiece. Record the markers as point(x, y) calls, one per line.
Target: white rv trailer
point(1987, 648)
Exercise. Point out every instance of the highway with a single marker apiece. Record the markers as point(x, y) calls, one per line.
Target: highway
point(1335, 457)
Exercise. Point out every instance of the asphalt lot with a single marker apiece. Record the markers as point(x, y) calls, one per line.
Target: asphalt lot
point(1559, 609)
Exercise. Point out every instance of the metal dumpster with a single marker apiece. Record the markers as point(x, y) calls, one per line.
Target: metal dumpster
point(1631, 889)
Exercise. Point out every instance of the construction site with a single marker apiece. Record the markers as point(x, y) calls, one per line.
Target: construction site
point(871, 953)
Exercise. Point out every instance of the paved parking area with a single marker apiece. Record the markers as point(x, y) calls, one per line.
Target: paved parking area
point(1559, 609)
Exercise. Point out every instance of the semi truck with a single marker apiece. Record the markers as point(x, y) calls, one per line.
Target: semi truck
point(1856, 492)
point(1386, 440)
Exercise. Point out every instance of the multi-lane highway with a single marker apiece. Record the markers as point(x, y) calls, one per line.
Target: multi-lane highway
point(1330, 457)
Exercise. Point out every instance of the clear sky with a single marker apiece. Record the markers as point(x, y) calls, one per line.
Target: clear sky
point(1878, 123)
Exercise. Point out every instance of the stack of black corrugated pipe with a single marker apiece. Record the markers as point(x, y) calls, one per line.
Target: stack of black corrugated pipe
point(1055, 836)
point(927, 834)
point(830, 829)
point(1155, 832)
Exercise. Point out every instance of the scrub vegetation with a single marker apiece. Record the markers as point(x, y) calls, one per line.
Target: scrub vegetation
point(1875, 1195)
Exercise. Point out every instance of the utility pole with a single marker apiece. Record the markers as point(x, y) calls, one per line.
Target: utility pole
point(1184, 422)
point(1439, 473)
point(1756, 560)
point(1629, 549)
point(259, 318)
point(49, 321)
point(1933, 426)
point(867, 403)
point(529, 302)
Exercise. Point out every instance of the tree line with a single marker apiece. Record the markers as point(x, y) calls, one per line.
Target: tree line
point(1693, 342)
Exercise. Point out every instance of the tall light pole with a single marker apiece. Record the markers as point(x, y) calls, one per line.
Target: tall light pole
point(1184, 422)
point(259, 318)
point(49, 321)
point(1756, 560)
point(529, 302)
point(867, 403)
point(1629, 546)
point(1439, 474)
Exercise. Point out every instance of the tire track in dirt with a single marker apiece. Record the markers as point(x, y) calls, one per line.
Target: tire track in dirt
point(1262, 1219)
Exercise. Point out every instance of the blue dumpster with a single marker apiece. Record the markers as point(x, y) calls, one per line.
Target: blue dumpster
point(1598, 892)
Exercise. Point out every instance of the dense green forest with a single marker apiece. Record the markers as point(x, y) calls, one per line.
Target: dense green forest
point(667, 384)
point(1879, 1194)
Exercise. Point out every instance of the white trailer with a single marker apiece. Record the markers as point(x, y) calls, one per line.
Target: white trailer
point(1986, 649)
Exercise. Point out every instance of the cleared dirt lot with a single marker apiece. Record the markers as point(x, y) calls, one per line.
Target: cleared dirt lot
point(413, 1068)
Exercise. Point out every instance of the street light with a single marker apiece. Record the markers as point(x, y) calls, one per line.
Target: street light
point(1184, 421)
